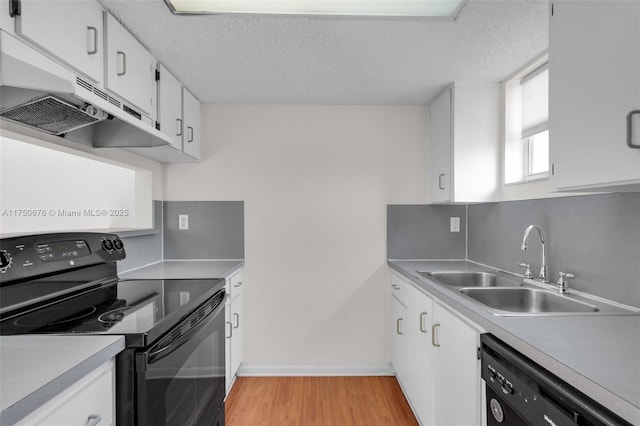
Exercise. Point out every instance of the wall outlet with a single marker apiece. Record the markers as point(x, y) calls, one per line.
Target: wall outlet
point(454, 225)
point(183, 222)
point(184, 298)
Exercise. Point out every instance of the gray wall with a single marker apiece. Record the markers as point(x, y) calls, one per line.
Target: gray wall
point(595, 237)
point(143, 249)
point(422, 232)
point(216, 230)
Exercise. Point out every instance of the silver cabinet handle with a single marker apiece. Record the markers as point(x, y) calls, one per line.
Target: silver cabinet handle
point(230, 330)
point(434, 336)
point(440, 176)
point(398, 326)
point(93, 420)
point(92, 40)
point(122, 63)
point(178, 127)
point(238, 284)
point(190, 132)
point(630, 127)
point(237, 317)
point(423, 315)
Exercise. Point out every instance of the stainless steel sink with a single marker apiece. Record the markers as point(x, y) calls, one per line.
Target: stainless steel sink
point(470, 279)
point(502, 294)
point(527, 300)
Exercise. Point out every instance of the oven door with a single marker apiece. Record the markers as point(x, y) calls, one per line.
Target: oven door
point(182, 376)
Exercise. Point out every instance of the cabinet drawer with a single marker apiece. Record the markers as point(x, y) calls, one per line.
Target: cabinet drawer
point(91, 396)
point(234, 284)
point(399, 288)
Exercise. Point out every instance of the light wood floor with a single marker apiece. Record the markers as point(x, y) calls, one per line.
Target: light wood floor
point(311, 401)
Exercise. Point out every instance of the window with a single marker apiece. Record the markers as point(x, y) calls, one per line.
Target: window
point(527, 124)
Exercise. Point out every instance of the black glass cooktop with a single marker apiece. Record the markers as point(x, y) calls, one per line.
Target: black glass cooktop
point(142, 310)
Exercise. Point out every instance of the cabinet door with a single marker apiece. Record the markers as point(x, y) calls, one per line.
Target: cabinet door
point(440, 140)
point(420, 389)
point(170, 107)
point(130, 69)
point(228, 345)
point(191, 115)
point(456, 370)
point(236, 340)
point(399, 347)
point(594, 82)
point(68, 30)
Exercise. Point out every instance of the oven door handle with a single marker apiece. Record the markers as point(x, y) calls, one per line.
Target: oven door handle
point(158, 354)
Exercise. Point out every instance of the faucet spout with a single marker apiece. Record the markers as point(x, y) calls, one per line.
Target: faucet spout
point(543, 267)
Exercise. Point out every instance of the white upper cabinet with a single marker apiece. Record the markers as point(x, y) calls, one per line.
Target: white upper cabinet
point(179, 118)
point(191, 117)
point(130, 71)
point(594, 83)
point(170, 107)
point(464, 137)
point(72, 31)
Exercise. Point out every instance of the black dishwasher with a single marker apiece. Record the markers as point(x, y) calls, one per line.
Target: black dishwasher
point(520, 392)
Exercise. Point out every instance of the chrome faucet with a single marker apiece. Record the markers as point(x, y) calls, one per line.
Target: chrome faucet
point(543, 267)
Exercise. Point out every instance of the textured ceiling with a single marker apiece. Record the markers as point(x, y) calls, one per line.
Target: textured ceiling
point(320, 60)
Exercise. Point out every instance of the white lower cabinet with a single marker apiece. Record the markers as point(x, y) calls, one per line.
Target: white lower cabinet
point(435, 355)
point(89, 401)
point(236, 340)
point(234, 328)
point(399, 342)
point(456, 372)
point(420, 363)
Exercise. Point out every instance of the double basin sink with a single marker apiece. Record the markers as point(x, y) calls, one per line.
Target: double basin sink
point(506, 295)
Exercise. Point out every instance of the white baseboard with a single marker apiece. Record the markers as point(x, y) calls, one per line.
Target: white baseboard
point(315, 370)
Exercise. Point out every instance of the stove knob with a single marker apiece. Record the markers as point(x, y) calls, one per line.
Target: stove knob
point(117, 243)
point(5, 260)
point(107, 245)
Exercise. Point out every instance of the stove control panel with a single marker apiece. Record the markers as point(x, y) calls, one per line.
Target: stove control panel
point(30, 256)
point(62, 250)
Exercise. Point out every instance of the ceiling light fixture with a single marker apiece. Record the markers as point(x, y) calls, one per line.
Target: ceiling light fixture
point(373, 8)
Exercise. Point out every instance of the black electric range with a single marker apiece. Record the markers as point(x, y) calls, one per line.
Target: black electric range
point(174, 329)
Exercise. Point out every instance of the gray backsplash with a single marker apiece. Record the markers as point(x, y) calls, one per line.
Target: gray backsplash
point(143, 249)
point(216, 230)
point(422, 232)
point(595, 237)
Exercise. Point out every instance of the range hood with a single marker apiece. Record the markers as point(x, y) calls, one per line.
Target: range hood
point(38, 92)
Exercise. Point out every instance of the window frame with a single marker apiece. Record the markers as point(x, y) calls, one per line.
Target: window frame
point(517, 149)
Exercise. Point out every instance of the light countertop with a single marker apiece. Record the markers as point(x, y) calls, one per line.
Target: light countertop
point(184, 269)
point(36, 368)
point(597, 354)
